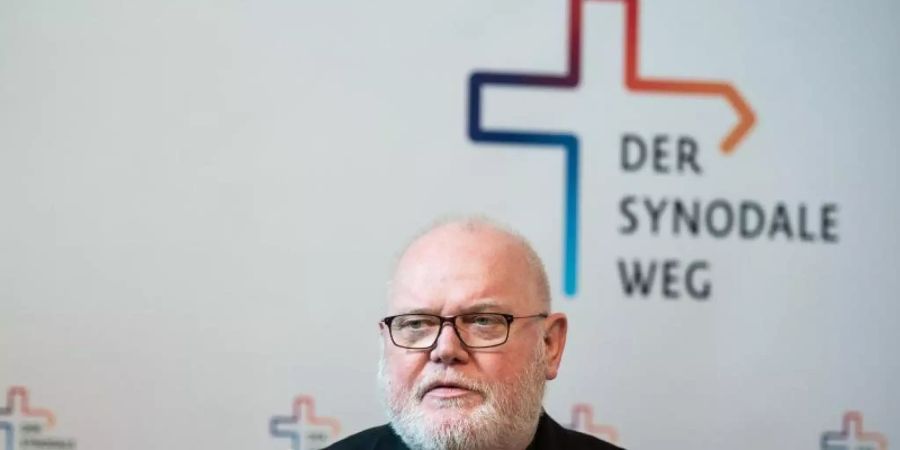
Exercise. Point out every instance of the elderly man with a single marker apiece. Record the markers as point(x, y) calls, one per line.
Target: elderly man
point(468, 346)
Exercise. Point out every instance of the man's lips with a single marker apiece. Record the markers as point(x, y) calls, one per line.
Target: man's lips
point(446, 390)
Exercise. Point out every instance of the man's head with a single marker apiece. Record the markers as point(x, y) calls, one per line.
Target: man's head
point(450, 395)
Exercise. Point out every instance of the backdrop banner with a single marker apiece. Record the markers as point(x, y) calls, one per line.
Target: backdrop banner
point(201, 203)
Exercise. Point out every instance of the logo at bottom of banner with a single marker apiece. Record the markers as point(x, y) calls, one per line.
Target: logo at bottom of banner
point(25, 427)
point(852, 436)
point(303, 429)
point(583, 421)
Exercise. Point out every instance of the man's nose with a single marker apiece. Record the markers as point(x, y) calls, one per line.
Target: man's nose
point(449, 349)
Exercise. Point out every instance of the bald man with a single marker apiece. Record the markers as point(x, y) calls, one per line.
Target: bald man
point(468, 345)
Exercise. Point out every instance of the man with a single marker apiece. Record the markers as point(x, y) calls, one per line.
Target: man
point(468, 346)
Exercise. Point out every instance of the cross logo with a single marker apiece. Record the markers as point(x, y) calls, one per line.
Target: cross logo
point(568, 141)
point(305, 430)
point(19, 417)
point(583, 421)
point(852, 436)
point(18, 412)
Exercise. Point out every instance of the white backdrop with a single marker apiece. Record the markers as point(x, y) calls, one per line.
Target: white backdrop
point(201, 201)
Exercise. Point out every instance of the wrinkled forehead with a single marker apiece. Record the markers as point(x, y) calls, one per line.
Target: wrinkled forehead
point(455, 272)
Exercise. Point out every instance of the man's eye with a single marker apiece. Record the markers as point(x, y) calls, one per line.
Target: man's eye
point(485, 321)
point(413, 324)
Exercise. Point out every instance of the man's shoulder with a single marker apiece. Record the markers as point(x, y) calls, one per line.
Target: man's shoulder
point(554, 435)
point(579, 440)
point(372, 439)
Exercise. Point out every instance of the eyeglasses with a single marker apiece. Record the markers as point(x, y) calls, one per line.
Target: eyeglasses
point(476, 330)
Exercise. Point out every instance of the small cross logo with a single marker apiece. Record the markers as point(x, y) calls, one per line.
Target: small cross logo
point(24, 424)
point(18, 412)
point(852, 436)
point(305, 430)
point(568, 141)
point(583, 421)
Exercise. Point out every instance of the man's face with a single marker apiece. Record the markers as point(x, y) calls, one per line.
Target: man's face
point(451, 388)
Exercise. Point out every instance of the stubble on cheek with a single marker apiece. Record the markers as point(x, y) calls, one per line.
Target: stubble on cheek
point(396, 383)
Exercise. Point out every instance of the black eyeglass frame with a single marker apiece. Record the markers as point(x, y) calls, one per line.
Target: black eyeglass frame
point(452, 321)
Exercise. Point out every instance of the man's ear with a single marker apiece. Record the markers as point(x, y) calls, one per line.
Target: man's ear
point(555, 329)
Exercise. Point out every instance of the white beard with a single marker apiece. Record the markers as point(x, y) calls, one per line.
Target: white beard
point(507, 418)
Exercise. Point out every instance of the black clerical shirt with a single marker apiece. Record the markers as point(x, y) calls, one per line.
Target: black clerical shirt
point(549, 436)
